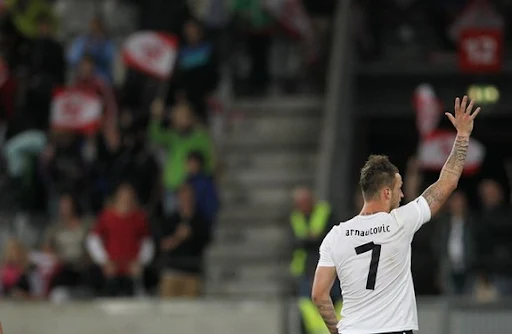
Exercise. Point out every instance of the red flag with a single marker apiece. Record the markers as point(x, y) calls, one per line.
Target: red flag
point(151, 52)
point(428, 109)
point(76, 110)
point(436, 147)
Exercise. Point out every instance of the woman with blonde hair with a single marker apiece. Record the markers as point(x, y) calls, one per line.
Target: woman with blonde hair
point(14, 276)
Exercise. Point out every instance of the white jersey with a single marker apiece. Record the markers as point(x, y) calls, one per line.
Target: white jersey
point(372, 256)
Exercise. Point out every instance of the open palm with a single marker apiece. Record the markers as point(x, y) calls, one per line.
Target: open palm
point(464, 117)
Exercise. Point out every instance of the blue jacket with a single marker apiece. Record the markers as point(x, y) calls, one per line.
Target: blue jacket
point(207, 199)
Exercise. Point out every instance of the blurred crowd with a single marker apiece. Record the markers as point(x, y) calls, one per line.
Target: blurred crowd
point(130, 208)
point(422, 30)
point(465, 250)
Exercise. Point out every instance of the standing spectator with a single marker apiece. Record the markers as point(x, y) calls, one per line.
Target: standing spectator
point(183, 239)
point(206, 196)
point(196, 70)
point(97, 44)
point(455, 246)
point(88, 81)
point(46, 54)
point(120, 243)
point(184, 137)
point(495, 231)
point(64, 168)
point(65, 240)
point(47, 70)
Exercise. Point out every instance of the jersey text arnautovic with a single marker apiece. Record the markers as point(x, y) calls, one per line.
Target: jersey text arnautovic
point(374, 230)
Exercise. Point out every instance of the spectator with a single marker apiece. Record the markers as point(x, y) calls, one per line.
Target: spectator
point(196, 70)
point(183, 239)
point(184, 137)
point(455, 246)
point(98, 45)
point(65, 240)
point(15, 274)
point(47, 55)
point(26, 13)
point(206, 196)
point(88, 81)
point(137, 164)
point(120, 244)
point(495, 231)
point(64, 168)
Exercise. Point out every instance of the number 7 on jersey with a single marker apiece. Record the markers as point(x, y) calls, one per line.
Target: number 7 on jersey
point(374, 263)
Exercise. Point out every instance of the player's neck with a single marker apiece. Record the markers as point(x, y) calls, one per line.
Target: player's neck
point(371, 208)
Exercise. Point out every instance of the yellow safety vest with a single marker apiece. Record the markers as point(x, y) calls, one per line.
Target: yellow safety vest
point(313, 322)
point(302, 229)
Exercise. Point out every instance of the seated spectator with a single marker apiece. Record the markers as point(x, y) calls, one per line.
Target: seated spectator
point(183, 239)
point(97, 44)
point(87, 80)
point(196, 70)
point(26, 13)
point(14, 270)
point(184, 137)
point(207, 198)
point(495, 231)
point(65, 240)
point(120, 243)
point(455, 246)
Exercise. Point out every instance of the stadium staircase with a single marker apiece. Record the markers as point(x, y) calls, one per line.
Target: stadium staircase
point(271, 147)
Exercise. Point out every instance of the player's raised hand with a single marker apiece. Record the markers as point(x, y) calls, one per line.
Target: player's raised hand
point(464, 116)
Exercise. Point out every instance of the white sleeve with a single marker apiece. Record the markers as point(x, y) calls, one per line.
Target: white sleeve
point(146, 252)
point(96, 250)
point(413, 215)
point(326, 259)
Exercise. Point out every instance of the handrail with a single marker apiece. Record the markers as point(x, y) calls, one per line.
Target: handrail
point(336, 81)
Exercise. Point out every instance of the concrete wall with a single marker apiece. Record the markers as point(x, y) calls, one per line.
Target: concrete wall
point(142, 317)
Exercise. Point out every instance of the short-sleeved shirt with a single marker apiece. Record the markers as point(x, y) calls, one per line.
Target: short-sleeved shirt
point(372, 256)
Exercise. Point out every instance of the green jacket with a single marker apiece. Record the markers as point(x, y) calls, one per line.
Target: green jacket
point(179, 146)
point(27, 21)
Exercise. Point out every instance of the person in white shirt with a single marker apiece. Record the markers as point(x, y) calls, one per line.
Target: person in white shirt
point(371, 253)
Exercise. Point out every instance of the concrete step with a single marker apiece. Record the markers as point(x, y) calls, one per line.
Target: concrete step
point(265, 289)
point(275, 130)
point(290, 106)
point(256, 215)
point(249, 272)
point(265, 251)
point(256, 196)
point(269, 160)
point(248, 234)
point(282, 178)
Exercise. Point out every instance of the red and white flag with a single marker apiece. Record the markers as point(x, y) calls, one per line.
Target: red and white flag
point(436, 147)
point(152, 53)
point(76, 110)
point(428, 109)
point(292, 15)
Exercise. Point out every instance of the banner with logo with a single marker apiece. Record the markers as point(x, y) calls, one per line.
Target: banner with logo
point(152, 53)
point(76, 110)
point(480, 50)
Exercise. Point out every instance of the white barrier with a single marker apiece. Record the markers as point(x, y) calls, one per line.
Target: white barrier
point(142, 317)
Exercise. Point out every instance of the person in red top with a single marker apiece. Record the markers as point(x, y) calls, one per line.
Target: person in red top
point(121, 244)
point(86, 79)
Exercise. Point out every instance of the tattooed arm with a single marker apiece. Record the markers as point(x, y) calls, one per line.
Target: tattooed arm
point(324, 279)
point(463, 121)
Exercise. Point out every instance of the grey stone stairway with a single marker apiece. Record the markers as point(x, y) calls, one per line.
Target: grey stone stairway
point(270, 148)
